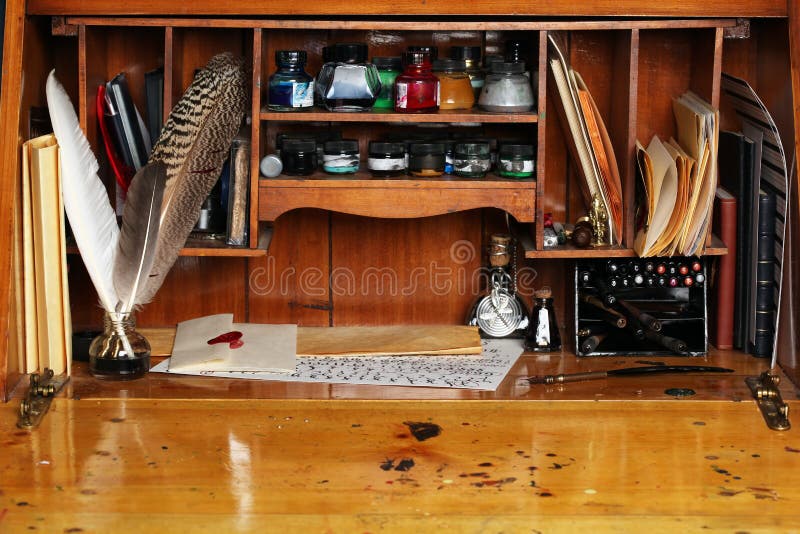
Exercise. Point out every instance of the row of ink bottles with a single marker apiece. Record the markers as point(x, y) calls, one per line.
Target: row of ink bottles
point(470, 158)
point(671, 273)
point(417, 82)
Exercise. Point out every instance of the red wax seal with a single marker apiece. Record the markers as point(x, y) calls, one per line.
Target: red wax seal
point(233, 338)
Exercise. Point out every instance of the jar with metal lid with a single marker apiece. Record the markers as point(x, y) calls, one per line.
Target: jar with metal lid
point(472, 62)
point(417, 89)
point(389, 68)
point(432, 51)
point(455, 89)
point(515, 161)
point(471, 160)
point(341, 157)
point(507, 89)
point(426, 159)
point(386, 159)
point(291, 88)
point(299, 157)
point(347, 82)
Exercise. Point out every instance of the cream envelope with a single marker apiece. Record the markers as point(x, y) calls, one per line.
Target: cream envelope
point(264, 347)
point(191, 349)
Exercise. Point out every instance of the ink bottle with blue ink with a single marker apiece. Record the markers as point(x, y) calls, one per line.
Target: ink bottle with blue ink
point(291, 88)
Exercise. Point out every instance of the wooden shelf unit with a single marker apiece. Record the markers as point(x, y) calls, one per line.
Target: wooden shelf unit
point(633, 67)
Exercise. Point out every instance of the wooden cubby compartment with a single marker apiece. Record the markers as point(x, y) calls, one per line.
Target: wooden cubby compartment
point(633, 73)
point(110, 46)
point(402, 197)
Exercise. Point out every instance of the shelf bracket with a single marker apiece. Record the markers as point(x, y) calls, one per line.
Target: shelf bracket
point(768, 399)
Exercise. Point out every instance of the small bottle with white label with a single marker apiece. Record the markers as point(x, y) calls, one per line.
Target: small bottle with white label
point(543, 334)
point(291, 88)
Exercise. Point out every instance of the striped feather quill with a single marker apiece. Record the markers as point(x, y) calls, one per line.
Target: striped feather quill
point(137, 239)
point(193, 146)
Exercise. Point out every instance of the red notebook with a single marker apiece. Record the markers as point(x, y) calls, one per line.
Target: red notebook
point(721, 326)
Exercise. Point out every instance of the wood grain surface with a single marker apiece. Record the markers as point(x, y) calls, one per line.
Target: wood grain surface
point(629, 8)
point(143, 465)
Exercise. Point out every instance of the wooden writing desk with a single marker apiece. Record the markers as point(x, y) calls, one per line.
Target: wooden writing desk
point(199, 454)
point(213, 455)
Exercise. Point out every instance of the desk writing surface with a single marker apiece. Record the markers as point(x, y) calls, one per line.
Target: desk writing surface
point(214, 455)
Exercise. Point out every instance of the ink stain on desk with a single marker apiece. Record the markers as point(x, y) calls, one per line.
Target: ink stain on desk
point(405, 464)
point(485, 464)
point(790, 449)
point(551, 454)
point(720, 470)
point(117, 419)
point(699, 423)
point(387, 464)
point(725, 492)
point(423, 431)
point(102, 453)
point(494, 483)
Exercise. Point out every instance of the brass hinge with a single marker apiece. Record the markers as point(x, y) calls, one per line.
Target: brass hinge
point(768, 399)
point(37, 401)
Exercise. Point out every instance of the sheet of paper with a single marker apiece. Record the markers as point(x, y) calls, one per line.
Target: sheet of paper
point(484, 372)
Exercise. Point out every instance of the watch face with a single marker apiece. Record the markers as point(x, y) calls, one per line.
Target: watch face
point(499, 314)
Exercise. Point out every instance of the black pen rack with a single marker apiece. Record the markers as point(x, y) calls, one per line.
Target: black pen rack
point(661, 301)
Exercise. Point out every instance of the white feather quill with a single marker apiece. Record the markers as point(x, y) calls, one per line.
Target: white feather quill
point(90, 214)
point(89, 211)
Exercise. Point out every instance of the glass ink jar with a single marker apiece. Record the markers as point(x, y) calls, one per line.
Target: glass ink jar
point(348, 82)
point(543, 334)
point(417, 89)
point(120, 352)
point(386, 159)
point(426, 159)
point(291, 88)
point(471, 160)
point(455, 89)
point(507, 89)
point(299, 157)
point(472, 61)
point(448, 154)
point(515, 161)
point(389, 68)
point(341, 157)
point(432, 51)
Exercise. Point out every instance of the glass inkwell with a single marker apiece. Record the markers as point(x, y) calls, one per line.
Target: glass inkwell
point(543, 335)
point(501, 313)
point(120, 352)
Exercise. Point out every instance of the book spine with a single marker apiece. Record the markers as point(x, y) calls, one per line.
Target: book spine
point(725, 296)
point(764, 318)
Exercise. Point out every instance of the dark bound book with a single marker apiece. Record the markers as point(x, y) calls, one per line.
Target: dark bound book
point(736, 162)
point(764, 306)
point(154, 99)
point(132, 139)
